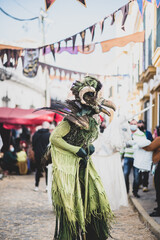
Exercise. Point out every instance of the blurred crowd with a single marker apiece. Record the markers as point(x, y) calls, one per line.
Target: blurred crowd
point(17, 155)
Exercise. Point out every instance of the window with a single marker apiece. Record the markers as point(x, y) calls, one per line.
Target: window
point(150, 50)
point(144, 44)
point(158, 28)
point(146, 114)
point(159, 111)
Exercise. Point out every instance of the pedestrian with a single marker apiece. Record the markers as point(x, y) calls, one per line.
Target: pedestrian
point(1, 143)
point(22, 160)
point(155, 147)
point(144, 175)
point(40, 140)
point(142, 127)
point(127, 153)
point(1, 171)
point(156, 132)
point(9, 161)
point(107, 160)
point(134, 156)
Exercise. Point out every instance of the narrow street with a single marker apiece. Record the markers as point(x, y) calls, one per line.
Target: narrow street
point(25, 214)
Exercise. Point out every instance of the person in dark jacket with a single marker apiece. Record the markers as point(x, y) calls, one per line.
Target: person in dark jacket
point(9, 161)
point(40, 140)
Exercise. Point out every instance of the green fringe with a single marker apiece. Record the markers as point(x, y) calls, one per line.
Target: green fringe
point(69, 205)
point(68, 196)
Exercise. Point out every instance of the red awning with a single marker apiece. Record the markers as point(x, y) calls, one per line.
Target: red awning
point(15, 116)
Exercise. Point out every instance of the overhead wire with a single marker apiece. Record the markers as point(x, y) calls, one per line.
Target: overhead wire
point(19, 4)
point(18, 19)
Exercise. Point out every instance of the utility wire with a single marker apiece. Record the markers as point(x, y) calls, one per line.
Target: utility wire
point(23, 7)
point(18, 19)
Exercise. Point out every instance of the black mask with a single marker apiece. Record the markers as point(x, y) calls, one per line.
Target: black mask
point(141, 128)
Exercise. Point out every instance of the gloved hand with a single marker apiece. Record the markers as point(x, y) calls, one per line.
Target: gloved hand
point(81, 153)
point(91, 149)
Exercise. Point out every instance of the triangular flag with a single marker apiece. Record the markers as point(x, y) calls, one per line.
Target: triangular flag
point(125, 10)
point(74, 40)
point(83, 34)
point(113, 18)
point(92, 30)
point(17, 54)
point(44, 50)
point(101, 25)
point(158, 3)
point(2, 52)
point(53, 50)
point(48, 3)
point(59, 46)
point(83, 2)
point(68, 39)
point(8, 53)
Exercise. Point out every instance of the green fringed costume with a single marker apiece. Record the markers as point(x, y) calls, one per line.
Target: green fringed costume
point(79, 199)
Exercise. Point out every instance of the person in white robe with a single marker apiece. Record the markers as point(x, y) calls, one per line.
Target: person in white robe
point(107, 161)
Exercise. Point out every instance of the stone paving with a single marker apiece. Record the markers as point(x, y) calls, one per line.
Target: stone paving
point(148, 199)
point(26, 215)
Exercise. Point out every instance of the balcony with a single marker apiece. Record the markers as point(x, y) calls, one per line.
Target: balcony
point(148, 74)
point(139, 85)
point(156, 85)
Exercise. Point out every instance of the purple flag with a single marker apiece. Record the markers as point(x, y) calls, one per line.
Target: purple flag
point(62, 49)
point(68, 49)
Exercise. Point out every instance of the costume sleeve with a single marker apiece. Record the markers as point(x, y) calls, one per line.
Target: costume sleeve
point(156, 156)
point(154, 145)
point(57, 138)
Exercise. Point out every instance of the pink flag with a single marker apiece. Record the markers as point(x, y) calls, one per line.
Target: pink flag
point(48, 3)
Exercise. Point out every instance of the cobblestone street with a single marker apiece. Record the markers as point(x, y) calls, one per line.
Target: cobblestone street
point(25, 214)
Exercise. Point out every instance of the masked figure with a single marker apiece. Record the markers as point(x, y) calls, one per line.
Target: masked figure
point(78, 196)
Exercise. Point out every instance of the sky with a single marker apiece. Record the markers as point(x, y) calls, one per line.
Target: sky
point(64, 19)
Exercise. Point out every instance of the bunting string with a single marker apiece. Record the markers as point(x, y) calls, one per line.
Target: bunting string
point(64, 74)
point(18, 19)
point(56, 47)
point(91, 28)
point(31, 57)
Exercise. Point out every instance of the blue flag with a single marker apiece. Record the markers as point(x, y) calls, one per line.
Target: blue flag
point(140, 4)
point(158, 3)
